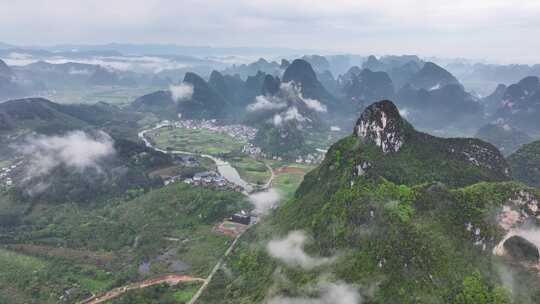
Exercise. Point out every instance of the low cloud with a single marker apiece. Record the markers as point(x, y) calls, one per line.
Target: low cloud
point(293, 91)
point(277, 120)
point(76, 150)
point(266, 103)
point(292, 113)
point(328, 293)
point(404, 112)
point(181, 92)
point(139, 64)
point(290, 250)
point(287, 105)
point(264, 200)
point(315, 105)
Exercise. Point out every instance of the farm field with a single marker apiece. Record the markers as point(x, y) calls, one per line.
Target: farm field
point(288, 177)
point(92, 94)
point(251, 170)
point(196, 141)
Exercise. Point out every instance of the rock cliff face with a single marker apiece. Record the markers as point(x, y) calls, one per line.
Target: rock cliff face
point(381, 124)
point(397, 145)
point(518, 209)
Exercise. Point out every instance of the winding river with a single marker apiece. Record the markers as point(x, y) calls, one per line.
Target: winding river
point(224, 168)
point(230, 174)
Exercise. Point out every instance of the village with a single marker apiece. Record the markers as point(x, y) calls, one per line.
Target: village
point(206, 179)
point(244, 133)
point(311, 158)
point(237, 131)
point(7, 174)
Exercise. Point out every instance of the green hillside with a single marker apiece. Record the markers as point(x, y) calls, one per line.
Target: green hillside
point(416, 225)
point(91, 249)
point(525, 163)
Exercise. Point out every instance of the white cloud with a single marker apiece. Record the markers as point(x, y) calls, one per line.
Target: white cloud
point(329, 293)
point(315, 105)
point(404, 112)
point(277, 120)
point(285, 103)
point(181, 92)
point(290, 250)
point(143, 64)
point(266, 103)
point(76, 150)
point(293, 114)
point(289, 115)
point(264, 200)
point(293, 91)
point(407, 26)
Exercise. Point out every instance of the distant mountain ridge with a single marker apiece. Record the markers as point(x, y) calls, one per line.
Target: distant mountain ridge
point(8, 87)
point(301, 73)
point(519, 106)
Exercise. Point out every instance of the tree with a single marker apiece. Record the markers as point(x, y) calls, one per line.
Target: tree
point(475, 291)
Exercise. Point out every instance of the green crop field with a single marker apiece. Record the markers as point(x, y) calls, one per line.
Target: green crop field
point(288, 177)
point(251, 170)
point(93, 94)
point(197, 141)
point(18, 267)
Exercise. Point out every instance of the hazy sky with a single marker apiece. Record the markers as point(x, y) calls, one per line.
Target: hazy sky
point(502, 30)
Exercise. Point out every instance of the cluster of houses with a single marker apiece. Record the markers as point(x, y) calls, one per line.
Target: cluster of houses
point(207, 179)
point(309, 159)
point(252, 150)
point(242, 132)
point(6, 178)
point(186, 160)
point(312, 158)
point(237, 131)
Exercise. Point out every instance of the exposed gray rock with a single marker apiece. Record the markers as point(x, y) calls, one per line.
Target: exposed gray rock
point(382, 124)
point(521, 249)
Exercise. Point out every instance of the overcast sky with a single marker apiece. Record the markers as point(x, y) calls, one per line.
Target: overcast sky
point(496, 30)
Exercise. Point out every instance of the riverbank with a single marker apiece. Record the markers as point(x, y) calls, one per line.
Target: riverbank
point(225, 169)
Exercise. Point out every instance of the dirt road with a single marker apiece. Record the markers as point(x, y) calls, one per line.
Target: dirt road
point(214, 270)
point(170, 279)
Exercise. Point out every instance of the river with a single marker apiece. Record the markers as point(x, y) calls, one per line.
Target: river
point(224, 168)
